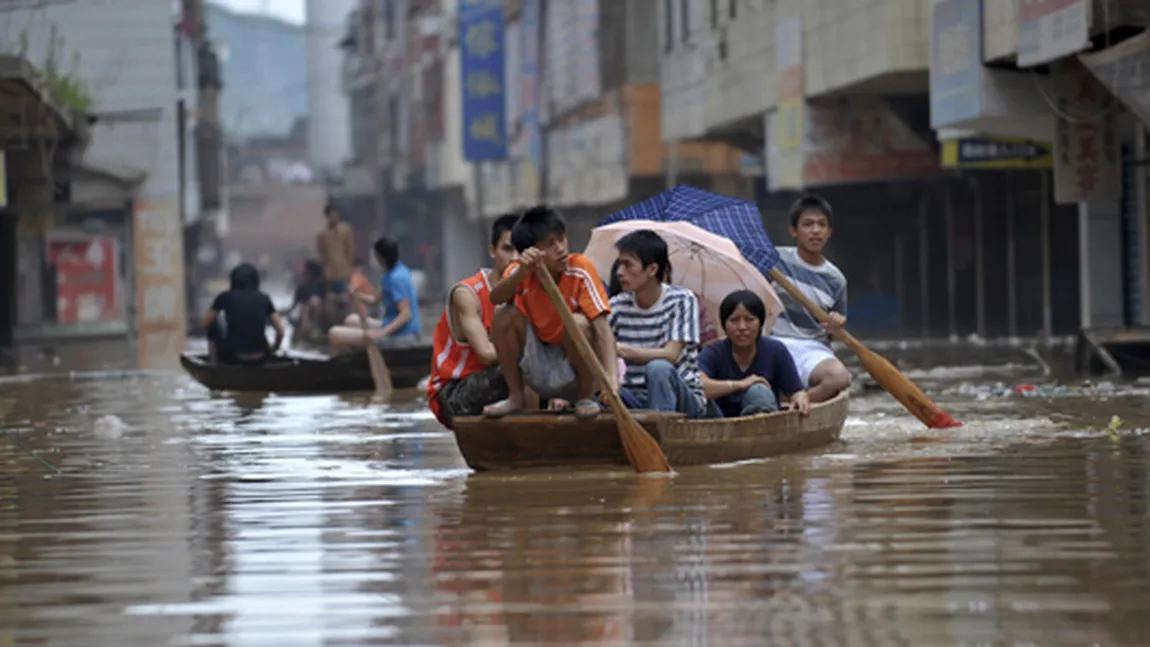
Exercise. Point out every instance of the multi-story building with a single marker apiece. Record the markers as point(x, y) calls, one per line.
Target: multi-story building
point(98, 234)
point(938, 130)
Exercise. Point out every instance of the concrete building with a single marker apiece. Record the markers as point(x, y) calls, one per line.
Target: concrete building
point(930, 127)
point(328, 119)
point(99, 234)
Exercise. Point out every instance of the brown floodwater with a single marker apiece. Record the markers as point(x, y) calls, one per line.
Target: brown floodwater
point(193, 518)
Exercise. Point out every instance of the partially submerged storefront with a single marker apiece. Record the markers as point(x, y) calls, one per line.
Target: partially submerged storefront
point(65, 229)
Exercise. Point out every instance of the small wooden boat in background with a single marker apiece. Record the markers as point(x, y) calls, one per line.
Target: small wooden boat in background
point(309, 373)
point(548, 440)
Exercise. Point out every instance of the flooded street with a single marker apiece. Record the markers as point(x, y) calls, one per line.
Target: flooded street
point(184, 517)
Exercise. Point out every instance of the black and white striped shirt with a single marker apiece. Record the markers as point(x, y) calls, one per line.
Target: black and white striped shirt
point(673, 317)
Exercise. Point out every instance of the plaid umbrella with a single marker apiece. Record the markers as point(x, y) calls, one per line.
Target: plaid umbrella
point(736, 220)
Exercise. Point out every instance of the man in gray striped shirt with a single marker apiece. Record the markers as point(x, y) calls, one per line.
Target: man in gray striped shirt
point(807, 340)
point(656, 328)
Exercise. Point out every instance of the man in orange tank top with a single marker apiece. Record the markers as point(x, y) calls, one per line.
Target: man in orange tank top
point(464, 373)
point(534, 350)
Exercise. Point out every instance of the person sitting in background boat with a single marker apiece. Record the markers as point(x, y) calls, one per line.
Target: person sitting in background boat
point(533, 348)
point(335, 245)
point(359, 283)
point(656, 326)
point(400, 326)
point(308, 300)
point(238, 318)
point(744, 373)
point(807, 340)
point(465, 374)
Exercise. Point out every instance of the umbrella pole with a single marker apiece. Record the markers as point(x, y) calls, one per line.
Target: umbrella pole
point(888, 377)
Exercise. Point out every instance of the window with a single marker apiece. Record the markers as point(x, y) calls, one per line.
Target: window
point(668, 24)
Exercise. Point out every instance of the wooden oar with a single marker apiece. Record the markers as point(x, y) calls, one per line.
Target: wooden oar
point(379, 373)
point(883, 372)
point(641, 449)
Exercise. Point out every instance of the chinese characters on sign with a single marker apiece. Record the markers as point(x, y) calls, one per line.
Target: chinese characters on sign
point(481, 30)
point(1051, 29)
point(956, 72)
point(159, 284)
point(1087, 153)
point(786, 126)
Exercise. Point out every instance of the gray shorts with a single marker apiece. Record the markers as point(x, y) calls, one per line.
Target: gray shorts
point(398, 341)
point(546, 369)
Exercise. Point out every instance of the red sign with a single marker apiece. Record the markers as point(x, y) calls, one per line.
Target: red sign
point(87, 288)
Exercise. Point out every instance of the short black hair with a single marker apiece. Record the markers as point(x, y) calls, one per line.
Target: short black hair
point(535, 224)
point(748, 300)
point(613, 285)
point(650, 248)
point(387, 250)
point(245, 276)
point(811, 202)
point(503, 223)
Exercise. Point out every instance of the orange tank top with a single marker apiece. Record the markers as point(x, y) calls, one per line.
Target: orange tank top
point(452, 359)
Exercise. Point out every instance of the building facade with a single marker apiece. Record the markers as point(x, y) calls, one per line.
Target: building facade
point(965, 143)
point(100, 239)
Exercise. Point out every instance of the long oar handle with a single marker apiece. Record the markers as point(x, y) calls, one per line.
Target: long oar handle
point(811, 306)
point(581, 344)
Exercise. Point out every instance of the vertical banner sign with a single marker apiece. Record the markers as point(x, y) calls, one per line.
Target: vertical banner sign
point(955, 62)
point(533, 159)
point(481, 41)
point(787, 127)
point(159, 285)
point(1125, 70)
point(1087, 151)
point(1051, 29)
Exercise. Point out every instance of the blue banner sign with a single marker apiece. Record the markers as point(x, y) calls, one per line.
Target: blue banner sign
point(956, 72)
point(481, 50)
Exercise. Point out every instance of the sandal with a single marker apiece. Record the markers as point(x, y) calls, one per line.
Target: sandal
point(586, 409)
point(500, 409)
point(558, 404)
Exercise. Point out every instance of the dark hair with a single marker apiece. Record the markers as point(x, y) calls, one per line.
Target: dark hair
point(613, 285)
point(649, 248)
point(387, 250)
point(536, 224)
point(811, 202)
point(312, 268)
point(245, 276)
point(503, 223)
point(748, 300)
point(329, 208)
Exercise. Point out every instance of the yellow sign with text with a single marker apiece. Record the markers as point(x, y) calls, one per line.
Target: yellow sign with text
point(996, 152)
point(790, 125)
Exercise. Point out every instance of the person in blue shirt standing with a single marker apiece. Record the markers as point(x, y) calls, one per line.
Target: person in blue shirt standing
point(745, 373)
point(400, 325)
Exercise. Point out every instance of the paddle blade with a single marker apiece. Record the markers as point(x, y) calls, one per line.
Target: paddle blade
point(641, 449)
point(903, 390)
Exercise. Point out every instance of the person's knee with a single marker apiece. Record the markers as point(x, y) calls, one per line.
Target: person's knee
point(760, 392)
point(507, 325)
point(659, 370)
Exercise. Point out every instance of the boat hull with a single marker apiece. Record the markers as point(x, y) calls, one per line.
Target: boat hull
point(542, 440)
point(303, 374)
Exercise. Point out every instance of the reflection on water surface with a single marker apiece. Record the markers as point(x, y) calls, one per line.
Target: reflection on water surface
point(213, 519)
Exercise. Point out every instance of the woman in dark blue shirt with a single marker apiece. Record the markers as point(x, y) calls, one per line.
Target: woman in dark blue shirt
point(744, 373)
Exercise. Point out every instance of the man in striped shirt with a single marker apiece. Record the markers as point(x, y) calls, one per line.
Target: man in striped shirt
point(807, 340)
point(656, 328)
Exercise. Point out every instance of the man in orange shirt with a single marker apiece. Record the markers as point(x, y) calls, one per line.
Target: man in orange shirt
point(465, 375)
point(530, 342)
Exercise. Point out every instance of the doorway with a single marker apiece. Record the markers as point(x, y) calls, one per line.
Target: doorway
point(8, 269)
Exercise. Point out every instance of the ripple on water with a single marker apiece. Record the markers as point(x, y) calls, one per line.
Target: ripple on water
point(271, 520)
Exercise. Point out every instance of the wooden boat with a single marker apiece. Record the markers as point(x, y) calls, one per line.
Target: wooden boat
point(303, 373)
point(549, 440)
